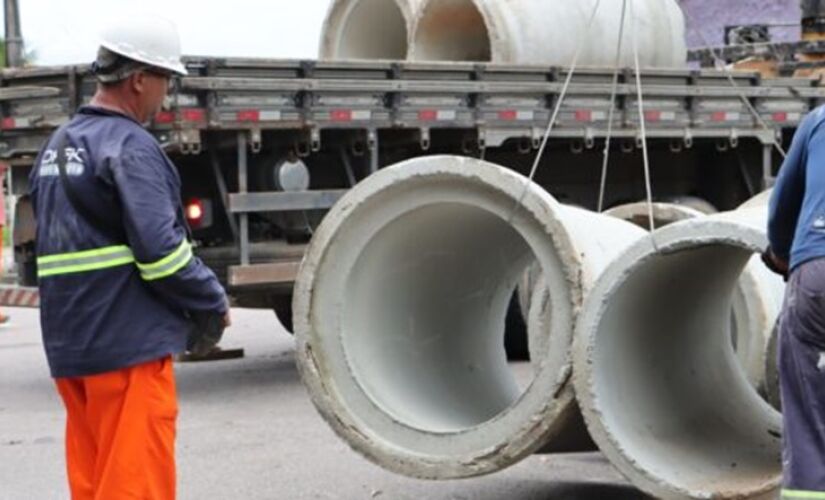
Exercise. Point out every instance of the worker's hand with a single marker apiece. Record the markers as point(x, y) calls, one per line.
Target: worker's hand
point(775, 263)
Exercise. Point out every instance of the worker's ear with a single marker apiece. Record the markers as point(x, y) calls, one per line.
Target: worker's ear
point(137, 82)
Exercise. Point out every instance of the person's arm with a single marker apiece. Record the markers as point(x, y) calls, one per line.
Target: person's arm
point(788, 193)
point(158, 240)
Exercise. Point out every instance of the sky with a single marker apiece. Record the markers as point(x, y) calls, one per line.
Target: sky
point(66, 31)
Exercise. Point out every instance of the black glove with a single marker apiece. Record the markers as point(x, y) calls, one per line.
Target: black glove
point(768, 258)
point(206, 332)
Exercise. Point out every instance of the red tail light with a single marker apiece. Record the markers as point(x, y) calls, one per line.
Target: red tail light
point(198, 213)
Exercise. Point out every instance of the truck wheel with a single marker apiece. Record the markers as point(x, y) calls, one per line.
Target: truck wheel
point(282, 305)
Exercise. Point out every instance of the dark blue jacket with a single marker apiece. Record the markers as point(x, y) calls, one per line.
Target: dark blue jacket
point(796, 223)
point(116, 298)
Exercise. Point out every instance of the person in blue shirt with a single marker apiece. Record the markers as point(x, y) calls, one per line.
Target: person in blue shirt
point(796, 232)
point(117, 276)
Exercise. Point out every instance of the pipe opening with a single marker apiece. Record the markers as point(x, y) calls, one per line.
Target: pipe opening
point(372, 29)
point(748, 313)
point(452, 30)
point(425, 316)
point(666, 379)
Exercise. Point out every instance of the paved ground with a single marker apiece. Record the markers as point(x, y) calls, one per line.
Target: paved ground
point(247, 430)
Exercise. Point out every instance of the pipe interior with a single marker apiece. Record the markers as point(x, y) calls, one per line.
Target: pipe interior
point(373, 29)
point(667, 376)
point(744, 328)
point(425, 315)
point(452, 30)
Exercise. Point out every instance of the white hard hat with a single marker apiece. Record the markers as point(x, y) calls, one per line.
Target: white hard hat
point(151, 40)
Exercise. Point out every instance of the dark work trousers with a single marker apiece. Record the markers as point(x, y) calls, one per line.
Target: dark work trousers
point(802, 380)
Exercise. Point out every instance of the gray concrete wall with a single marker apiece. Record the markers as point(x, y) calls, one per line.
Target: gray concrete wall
point(711, 16)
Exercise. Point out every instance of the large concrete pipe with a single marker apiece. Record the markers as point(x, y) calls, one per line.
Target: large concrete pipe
point(547, 32)
point(756, 299)
point(655, 372)
point(399, 314)
point(367, 29)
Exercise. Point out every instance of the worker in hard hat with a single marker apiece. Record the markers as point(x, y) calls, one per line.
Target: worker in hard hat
point(117, 275)
point(796, 230)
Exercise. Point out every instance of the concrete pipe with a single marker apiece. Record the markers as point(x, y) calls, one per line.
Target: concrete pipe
point(546, 32)
point(655, 372)
point(367, 29)
point(755, 300)
point(399, 314)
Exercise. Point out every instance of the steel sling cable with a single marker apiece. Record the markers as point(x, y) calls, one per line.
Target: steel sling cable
point(614, 93)
point(721, 66)
point(573, 65)
point(642, 126)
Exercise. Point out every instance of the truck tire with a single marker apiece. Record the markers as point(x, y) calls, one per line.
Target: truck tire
point(282, 305)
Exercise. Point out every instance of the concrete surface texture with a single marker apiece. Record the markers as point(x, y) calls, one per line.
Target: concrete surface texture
point(247, 430)
point(548, 32)
point(399, 314)
point(655, 372)
point(708, 18)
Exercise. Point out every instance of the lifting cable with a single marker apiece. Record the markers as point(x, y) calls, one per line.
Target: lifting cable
point(722, 66)
point(643, 127)
point(573, 65)
point(613, 96)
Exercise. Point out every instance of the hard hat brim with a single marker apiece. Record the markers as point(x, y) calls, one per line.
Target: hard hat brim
point(176, 67)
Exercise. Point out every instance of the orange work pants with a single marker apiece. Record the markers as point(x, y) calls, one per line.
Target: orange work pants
point(120, 433)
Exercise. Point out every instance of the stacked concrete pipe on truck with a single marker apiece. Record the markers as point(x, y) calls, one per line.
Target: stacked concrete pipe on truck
point(547, 32)
point(400, 305)
point(655, 372)
point(367, 29)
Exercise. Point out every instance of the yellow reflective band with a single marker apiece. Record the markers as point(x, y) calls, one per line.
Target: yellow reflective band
point(97, 252)
point(168, 265)
point(803, 494)
point(81, 268)
point(87, 260)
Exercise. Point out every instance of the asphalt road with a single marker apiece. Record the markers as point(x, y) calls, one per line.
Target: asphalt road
point(247, 430)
